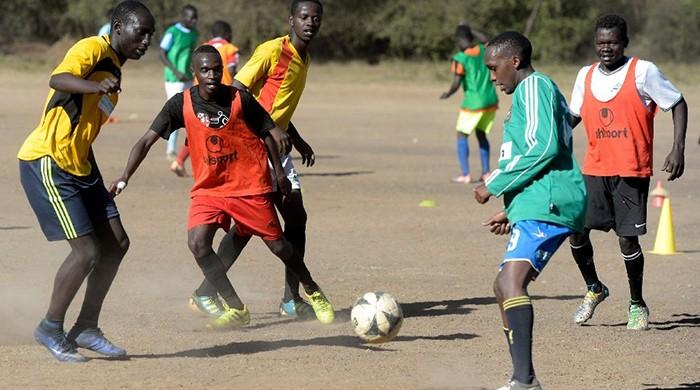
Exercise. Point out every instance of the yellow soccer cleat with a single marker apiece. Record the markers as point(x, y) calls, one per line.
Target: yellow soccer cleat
point(322, 307)
point(231, 318)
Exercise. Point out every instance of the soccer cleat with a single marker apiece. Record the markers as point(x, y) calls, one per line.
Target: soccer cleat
point(322, 307)
point(206, 305)
point(94, 340)
point(58, 345)
point(638, 317)
point(231, 318)
point(296, 309)
point(585, 310)
point(515, 385)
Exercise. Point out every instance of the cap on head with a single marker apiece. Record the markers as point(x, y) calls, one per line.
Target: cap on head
point(513, 43)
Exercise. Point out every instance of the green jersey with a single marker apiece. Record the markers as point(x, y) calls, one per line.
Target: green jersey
point(537, 173)
point(178, 42)
point(479, 92)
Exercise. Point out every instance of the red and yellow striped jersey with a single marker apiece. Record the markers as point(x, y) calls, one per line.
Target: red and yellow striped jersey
point(276, 75)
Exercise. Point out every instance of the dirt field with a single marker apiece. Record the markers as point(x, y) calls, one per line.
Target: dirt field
point(382, 148)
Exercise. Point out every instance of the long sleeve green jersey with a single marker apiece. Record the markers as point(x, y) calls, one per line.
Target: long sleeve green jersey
point(537, 173)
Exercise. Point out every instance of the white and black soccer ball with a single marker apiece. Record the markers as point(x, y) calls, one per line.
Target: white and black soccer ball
point(376, 317)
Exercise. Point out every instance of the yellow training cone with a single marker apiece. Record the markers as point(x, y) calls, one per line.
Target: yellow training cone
point(427, 203)
point(665, 243)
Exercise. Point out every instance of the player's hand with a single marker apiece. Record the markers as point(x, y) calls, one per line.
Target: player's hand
point(284, 185)
point(444, 95)
point(282, 139)
point(118, 186)
point(108, 85)
point(308, 157)
point(481, 194)
point(498, 223)
point(674, 164)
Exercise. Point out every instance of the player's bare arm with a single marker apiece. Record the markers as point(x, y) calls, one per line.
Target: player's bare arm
point(67, 82)
point(285, 187)
point(138, 152)
point(675, 161)
point(456, 81)
point(164, 59)
point(308, 157)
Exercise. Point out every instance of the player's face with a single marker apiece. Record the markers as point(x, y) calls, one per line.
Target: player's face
point(306, 20)
point(208, 69)
point(609, 46)
point(189, 18)
point(134, 36)
point(502, 68)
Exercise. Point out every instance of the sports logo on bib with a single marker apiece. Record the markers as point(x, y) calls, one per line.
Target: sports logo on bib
point(606, 116)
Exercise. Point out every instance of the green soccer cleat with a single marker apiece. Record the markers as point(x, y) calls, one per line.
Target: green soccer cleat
point(206, 305)
point(585, 310)
point(638, 317)
point(231, 318)
point(322, 307)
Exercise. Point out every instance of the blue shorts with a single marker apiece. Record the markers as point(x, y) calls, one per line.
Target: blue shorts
point(67, 206)
point(535, 242)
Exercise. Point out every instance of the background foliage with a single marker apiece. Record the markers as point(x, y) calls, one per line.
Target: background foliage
point(561, 31)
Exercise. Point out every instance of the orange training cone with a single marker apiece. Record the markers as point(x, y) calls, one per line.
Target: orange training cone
point(658, 194)
point(665, 243)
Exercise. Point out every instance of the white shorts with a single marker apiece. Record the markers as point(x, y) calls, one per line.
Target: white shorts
point(172, 88)
point(289, 170)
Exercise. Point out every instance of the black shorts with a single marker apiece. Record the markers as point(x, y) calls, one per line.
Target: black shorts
point(618, 203)
point(67, 206)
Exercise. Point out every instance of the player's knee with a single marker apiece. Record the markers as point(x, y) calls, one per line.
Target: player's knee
point(87, 256)
point(497, 289)
point(281, 248)
point(578, 239)
point(198, 247)
point(122, 247)
point(629, 245)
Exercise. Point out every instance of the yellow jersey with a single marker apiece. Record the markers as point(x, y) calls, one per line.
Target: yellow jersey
point(276, 75)
point(70, 122)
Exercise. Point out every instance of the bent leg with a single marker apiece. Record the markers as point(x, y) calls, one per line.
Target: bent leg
point(484, 152)
point(295, 218)
point(230, 248)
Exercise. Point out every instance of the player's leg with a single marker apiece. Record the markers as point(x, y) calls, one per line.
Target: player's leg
point(463, 158)
point(114, 244)
point(178, 166)
point(531, 245)
point(199, 240)
point(484, 153)
point(600, 215)
point(630, 201)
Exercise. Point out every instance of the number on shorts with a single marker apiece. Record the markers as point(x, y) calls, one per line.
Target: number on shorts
point(514, 236)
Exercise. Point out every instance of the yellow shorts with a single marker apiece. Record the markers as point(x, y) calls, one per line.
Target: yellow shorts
point(470, 120)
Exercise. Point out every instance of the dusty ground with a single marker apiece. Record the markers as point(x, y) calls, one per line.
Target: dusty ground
point(382, 148)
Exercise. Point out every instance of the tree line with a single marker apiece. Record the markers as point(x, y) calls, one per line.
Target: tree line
point(372, 30)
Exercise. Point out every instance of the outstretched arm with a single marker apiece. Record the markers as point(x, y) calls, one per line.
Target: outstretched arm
point(138, 153)
point(480, 36)
point(456, 81)
point(675, 161)
point(308, 157)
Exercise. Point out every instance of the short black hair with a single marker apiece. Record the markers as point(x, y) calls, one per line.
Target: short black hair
point(190, 7)
point(295, 4)
point(464, 31)
point(516, 43)
point(205, 49)
point(127, 10)
point(220, 28)
point(611, 21)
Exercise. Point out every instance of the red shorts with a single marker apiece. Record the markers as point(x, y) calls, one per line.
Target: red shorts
point(253, 215)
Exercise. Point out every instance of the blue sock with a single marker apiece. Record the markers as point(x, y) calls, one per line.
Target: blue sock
point(463, 153)
point(484, 150)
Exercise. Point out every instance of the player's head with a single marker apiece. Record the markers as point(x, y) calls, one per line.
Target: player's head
point(188, 16)
point(132, 29)
point(207, 68)
point(464, 36)
point(610, 39)
point(506, 55)
point(221, 29)
point(305, 18)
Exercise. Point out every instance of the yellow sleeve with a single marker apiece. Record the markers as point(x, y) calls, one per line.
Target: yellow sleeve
point(257, 66)
point(81, 58)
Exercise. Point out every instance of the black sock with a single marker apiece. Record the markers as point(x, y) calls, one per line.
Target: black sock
point(634, 263)
point(51, 326)
point(296, 237)
point(583, 255)
point(520, 320)
point(215, 273)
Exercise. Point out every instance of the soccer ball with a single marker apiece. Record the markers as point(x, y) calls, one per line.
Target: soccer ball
point(376, 317)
